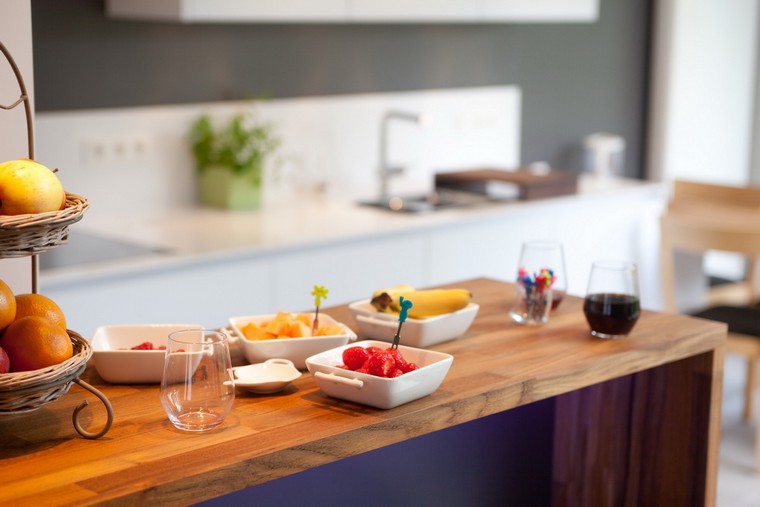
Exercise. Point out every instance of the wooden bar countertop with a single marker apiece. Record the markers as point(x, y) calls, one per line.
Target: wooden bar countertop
point(498, 365)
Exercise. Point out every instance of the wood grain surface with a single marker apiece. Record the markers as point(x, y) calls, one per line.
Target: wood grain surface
point(637, 419)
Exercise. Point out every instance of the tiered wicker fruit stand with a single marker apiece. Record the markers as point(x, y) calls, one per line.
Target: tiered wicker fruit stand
point(30, 235)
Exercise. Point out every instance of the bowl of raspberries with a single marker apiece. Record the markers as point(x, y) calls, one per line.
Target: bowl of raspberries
point(132, 354)
point(373, 373)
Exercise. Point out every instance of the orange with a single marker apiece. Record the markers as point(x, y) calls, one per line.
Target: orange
point(37, 305)
point(7, 306)
point(34, 342)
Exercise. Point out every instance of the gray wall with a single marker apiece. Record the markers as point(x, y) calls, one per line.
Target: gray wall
point(576, 78)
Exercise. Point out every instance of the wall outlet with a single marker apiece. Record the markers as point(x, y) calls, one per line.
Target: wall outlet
point(117, 151)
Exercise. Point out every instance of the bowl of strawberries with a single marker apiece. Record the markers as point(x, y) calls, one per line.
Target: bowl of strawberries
point(376, 374)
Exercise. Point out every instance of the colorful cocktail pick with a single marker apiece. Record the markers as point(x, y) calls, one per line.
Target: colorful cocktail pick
point(319, 292)
point(405, 305)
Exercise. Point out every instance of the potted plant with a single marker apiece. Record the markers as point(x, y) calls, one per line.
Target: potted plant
point(230, 160)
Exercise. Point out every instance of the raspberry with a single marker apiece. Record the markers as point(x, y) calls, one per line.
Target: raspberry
point(354, 357)
point(381, 363)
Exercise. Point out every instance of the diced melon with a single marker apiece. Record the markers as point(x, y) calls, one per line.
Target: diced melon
point(329, 330)
point(305, 318)
point(288, 325)
point(279, 324)
point(254, 332)
point(298, 329)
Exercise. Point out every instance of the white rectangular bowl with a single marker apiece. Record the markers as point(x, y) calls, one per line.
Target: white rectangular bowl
point(379, 392)
point(414, 332)
point(117, 364)
point(293, 349)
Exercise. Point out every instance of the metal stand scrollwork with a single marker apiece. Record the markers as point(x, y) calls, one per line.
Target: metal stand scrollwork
point(24, 99)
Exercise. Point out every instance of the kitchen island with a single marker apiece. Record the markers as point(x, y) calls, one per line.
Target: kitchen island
point(627, 422)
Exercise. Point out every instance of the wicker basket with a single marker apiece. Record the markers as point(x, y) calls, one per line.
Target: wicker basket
point(29, 390)
point(24, 235)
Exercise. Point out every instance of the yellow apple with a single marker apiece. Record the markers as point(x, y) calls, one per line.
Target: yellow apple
point(27, 186)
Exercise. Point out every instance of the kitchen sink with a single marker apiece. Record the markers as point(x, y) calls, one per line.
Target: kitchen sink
point(433, 201)
point(88, 249)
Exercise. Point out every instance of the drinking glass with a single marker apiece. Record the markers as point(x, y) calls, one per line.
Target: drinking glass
point(532, 305)
point(197, 389)
point(611, 305)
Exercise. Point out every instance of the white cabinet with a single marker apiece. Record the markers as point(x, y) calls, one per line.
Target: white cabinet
point(618, 226)
point(228, 11)
point(487, 249)
point(208, 293)
point(351, 270)
point(203, 293)
point(404, 11)
point(356, 11)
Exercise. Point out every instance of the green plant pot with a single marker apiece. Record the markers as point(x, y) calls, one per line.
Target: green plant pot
point(221, 188)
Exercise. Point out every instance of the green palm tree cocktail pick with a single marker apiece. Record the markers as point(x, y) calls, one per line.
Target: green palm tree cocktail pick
point(319, 292)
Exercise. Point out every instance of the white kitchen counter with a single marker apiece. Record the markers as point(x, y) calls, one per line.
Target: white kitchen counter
point(196, 234)
point(196, 239)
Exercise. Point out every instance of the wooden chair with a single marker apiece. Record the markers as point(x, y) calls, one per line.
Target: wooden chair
point(702, 218)
point(696, 193)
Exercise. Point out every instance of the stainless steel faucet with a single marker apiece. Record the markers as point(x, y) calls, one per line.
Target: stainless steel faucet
point(385, 170)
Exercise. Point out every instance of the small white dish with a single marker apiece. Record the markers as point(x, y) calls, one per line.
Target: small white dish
point(420, 333)
point(117, 363)
point(271, 376)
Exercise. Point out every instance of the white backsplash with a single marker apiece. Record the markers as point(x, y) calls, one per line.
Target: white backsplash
point(138, 158)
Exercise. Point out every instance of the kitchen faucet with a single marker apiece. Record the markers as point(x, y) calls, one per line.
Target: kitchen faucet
point(385, 170)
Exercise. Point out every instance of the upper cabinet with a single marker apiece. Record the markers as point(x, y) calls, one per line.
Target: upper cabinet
point(356, 11)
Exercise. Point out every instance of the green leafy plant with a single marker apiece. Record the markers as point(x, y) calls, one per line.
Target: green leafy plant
point(241, 145)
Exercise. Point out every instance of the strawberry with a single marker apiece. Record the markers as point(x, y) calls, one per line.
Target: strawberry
point(354, 357)
point(381, 363)
point(400, 361)
point(410, 367)
point(395, 373)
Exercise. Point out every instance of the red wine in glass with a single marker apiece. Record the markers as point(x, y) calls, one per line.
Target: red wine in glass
point(611, 315)
point(557, 296)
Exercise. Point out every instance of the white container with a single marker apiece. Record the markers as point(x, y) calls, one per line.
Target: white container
point(604, 155)
point(116, 363)
point(379, 392)
point(271, 376)
point(293, 349)
point(415, 332)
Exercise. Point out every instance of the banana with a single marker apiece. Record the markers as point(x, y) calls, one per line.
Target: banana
point(426, 303)
point(391, 291)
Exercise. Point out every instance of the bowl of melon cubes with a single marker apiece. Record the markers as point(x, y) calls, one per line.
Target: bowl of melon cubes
point(289, 336)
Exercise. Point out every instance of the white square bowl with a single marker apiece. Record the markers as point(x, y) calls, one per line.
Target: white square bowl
point(293, 349)
point(379, 392)
point(415, 332)
point(116, 363)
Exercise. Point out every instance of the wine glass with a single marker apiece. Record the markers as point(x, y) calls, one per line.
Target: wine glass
point(197, 389)
point(612, 305)
point(539, 259)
